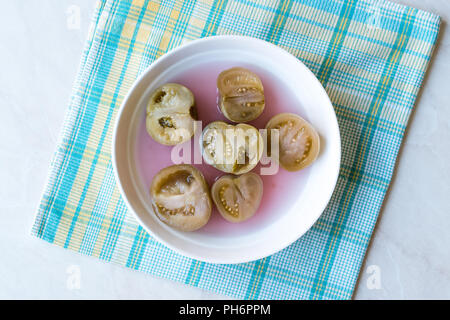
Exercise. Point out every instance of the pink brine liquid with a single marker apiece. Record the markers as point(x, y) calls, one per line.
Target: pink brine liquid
point(281, 190)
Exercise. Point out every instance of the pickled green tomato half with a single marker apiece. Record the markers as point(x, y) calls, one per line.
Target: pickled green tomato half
point(181, 198)
point(237, 197)
point(299, 143)
point(171, 114)
point(241, 94)
point(231, 148)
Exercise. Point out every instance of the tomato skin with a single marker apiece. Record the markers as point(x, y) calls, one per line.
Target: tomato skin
point(299, 142)
point(181, 197)
point(237, 198)
point(231, 148)
point(241, 94)
point(171, 114)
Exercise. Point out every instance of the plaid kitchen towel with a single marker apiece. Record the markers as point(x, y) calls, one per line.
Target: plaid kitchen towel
point(370, 56)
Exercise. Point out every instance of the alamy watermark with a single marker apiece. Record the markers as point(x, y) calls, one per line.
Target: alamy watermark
point(229, 147)
point(73, 21)
point(73, 281)
point(374, 19)
point(374, 280)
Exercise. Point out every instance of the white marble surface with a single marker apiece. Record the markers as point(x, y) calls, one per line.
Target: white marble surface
point(39, 59)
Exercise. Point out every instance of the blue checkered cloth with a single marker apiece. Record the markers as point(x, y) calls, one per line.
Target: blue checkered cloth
point(371, 57)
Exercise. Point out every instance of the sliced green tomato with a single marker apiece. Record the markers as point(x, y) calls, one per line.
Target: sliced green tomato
point(299, 143)
point(231, 149)
point(171, 114)
point(180, 197)
point(237, 197)
point(241, 94)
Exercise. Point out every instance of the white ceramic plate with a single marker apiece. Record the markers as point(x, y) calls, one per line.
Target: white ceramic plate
point(295, 216)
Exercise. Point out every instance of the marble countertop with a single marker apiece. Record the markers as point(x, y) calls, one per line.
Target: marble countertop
point(408, 257)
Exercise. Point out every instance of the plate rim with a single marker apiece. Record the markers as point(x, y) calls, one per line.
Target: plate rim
point(282, 244)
